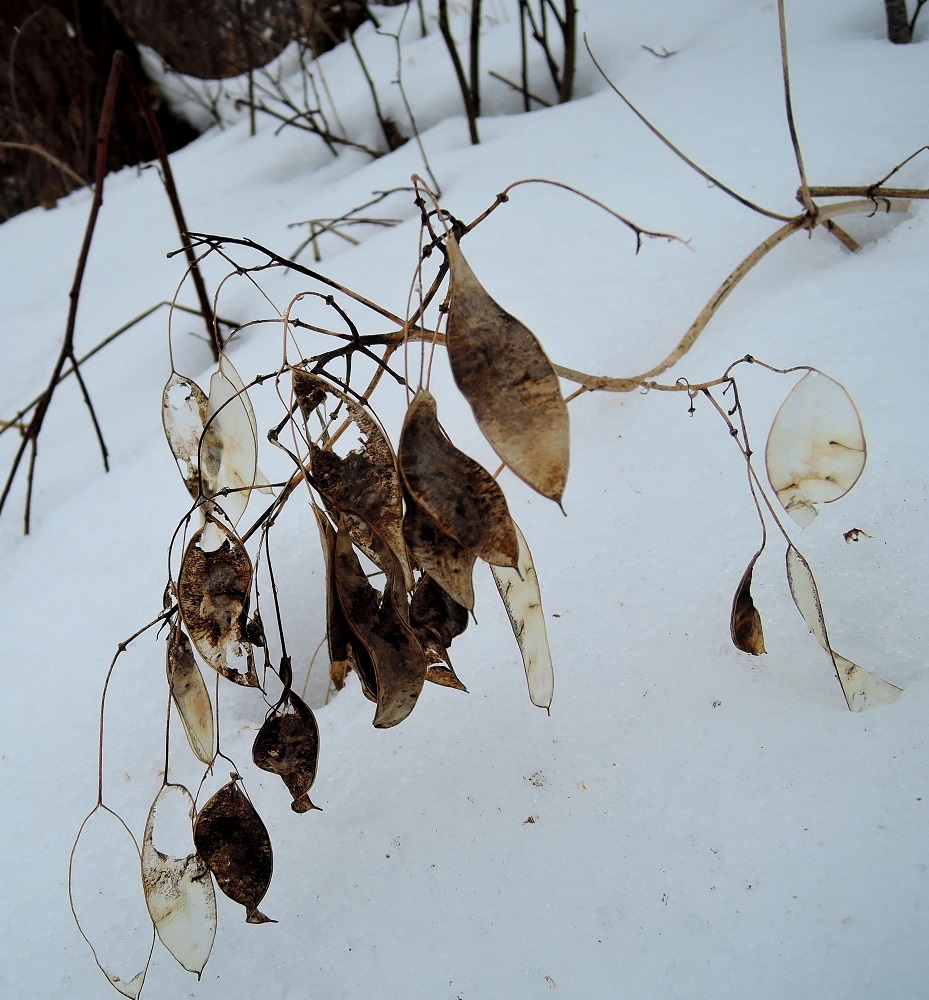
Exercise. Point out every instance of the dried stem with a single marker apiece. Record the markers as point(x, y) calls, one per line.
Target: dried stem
point(679, 153)
point(805, 198)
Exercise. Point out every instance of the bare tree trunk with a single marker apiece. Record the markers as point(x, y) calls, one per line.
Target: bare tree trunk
point(898, 24)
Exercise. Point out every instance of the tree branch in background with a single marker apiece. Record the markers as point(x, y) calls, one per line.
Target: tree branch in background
point(30, 441)
point(466, 93)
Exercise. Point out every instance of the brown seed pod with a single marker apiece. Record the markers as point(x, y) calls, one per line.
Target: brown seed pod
point(501, 369)
point(234, 843)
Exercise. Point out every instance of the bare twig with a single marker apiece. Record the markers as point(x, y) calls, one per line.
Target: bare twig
point(679, 153)
point(29, 147)
point(466, 94)
point(528, 95)
point(788, 104)
point(120, 67)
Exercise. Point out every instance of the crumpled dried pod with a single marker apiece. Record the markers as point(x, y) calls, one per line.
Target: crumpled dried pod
point(745, 621)
point(502, 370)
point(437, 619)
point(190, 695)
point(816, 448)
point(862, 688)
point(288, 745)
point(178, 888)
point(364, 485)
point(519, 591)
point(399, 660)
point(234, 843)
point(213, 594)
point(346, 651)
point(458, 494)
point(447, 561)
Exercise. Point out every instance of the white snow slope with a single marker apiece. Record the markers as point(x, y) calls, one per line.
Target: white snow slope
point(690, 821)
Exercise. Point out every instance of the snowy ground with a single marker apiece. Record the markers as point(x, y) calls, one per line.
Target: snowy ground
point(690, 821)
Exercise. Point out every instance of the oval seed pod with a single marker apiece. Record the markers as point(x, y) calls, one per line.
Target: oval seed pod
point(502, 371)
point(178, 888)
point(288, 745)
point(213, 595)
point(458, 494)
point(234, 843)
point(107, 900)
point(816, 448)
point(184, 415)
point(190, 696)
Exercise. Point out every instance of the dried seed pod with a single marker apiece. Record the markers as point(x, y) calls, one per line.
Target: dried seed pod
point(745, 622)
point(458, 494)
point(437, 619)
point(184, 415)
point(190, 695)
point(441, 556)
point(234, 843)
point(346, 651)
point(861, 687)
point(229, 448)
point(108, 902)
point(502, 371)
point(213, 592)
point(519, 590)
point(309, 390)
point(288, 745)
point(399, 660)
point(178, 888)
point(816, 448)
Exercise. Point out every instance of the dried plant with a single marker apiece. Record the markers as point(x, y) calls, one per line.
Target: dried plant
point(402, 525)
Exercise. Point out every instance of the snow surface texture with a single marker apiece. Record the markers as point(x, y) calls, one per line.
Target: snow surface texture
point(704, 824)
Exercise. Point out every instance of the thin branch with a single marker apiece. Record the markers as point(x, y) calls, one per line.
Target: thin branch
point(679, 153)
point(28, 147)
point(788, 104)
point(527, 94)
point(466, 94)
point(215, 242)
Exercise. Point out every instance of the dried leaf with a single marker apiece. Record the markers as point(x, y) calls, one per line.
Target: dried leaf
point(861, 687)
point(816, 448)
point(184, 415)
point(440, 555)
point(502, 371)
point(288, 745)
point(178, 888)
point(213, 589)
point(234, 843)
point(745, 622)
point(109, 909)
point(399, 661)
point(519, 589)
point(346, 651)
point(461, 496)
point(190, 695)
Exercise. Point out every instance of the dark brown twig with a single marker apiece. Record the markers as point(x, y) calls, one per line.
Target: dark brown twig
point(120, 67)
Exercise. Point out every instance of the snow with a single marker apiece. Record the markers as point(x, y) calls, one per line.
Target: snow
point(689, 821)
